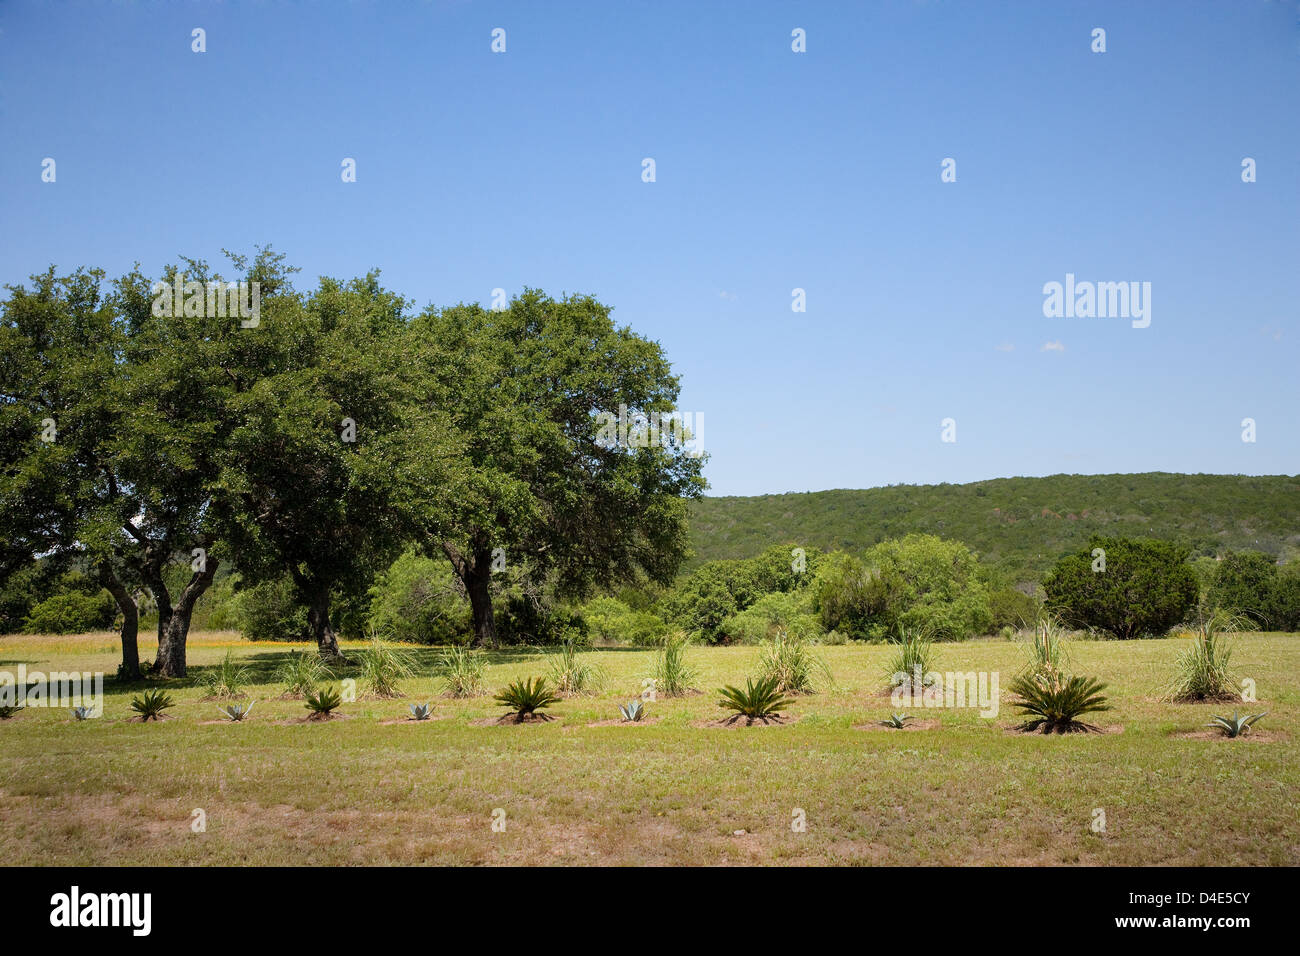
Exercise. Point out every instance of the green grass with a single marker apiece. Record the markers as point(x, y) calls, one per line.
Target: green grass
point(375, 788)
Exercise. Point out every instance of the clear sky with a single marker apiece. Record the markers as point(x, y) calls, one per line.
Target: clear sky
point(775, 170)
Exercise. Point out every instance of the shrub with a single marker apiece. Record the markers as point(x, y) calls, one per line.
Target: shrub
point(1146, 587)
point(462, 671)
point(1055, 701)
point(1246, 583)
point(151, 704)
point(913, 655)
point(301, 671)
point(574, 673)
point(419, 600)
point(1201, 671)
point(672, 675)
point(382, 666)
point(527, 697)
point(790, 612)
point(322, 703)
point(227, 679)
point(270, 611)
point(788, 660)
point(761, 701)
point(1012, 608)
point(611, 621)
point(71, 612)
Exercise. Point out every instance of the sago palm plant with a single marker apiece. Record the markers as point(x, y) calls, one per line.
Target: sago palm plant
point(1055, 701)
point(760, 701)
point(527, 698)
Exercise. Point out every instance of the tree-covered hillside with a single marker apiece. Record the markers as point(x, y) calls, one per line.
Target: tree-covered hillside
point(1019, 526)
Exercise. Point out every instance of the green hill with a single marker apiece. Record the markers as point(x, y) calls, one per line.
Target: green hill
point(1019, 526)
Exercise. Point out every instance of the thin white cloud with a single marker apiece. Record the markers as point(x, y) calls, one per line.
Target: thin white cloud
point(1053, 347)
point(1006, 347)
point(729, 296)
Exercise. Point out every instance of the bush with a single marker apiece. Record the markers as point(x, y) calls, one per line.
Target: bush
point(789, 661)
point(270, 611)
point(610, 621)
point(1146, 588)
point(71, 612)
point(789, 612)
point(919, 582)
point(419, 601)
point(1012, 608)
point(1245, 582)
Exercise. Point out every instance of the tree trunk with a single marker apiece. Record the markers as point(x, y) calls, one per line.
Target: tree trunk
point(170, 661)
point(130, 623)
point(318, 619)
point(151, 572)
point(476, 574)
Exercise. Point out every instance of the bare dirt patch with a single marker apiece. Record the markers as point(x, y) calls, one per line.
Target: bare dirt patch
point(312, 719)
point(735, 722)
point(620, 722)
point(1089, 730)
point(404, 721)
point(1262, 736)
point(512, 720)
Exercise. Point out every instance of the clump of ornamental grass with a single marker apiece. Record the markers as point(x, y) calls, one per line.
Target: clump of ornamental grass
point(910, 663)
point(671, 674)
point(225, 680)
point(301, 672)
point(462, 671)
point(1045, 650)
point(382, 666)
point(790, 662)
point(1202, 672)
point(574, 673)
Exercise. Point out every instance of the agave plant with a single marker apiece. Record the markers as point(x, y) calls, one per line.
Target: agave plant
point(1201, 671)
point(236, 712)
point(1054, 701)
point(8, 710)
point(151, 704)
point(419, 711)
point(526, 698)
point(897, 721)
point(82, 713)
point(1235, 726)
point(632, 710)
point(761, 700)
point(321, 703)
point(462, 671)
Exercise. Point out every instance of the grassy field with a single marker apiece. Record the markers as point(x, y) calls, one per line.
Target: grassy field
point(361, 791)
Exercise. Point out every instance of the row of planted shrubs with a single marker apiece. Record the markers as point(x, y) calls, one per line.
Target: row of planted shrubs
point(1049, 694)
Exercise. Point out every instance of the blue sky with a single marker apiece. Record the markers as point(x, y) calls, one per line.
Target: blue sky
point(775, 170)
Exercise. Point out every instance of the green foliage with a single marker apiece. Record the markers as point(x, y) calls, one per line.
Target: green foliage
point(301, 671)
point(525, 697)
point(919, 581)
point(761, 700)
point(71, 612)
point(420, 711)
point(1235, 726)
point(1055, 701)
point(382, 666)
point(913, 655)
point(1146, 588)
point(788, 660)
point(1046, 652)
point(633, 710)
point(418, 600)
point(8, 710)
point(611, 621)
point(1017, 525)
point(789, 611)
point(151, 704)
point(227, 679)
point(574, 673)
point(462, 671)
point(269, 611)
point(671, 674)
point(81, 713)
point(1012, 608)
point(1202, 670)
point(236, 712)
point(322, 703)
point(896, 721)
point(1254, 586)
